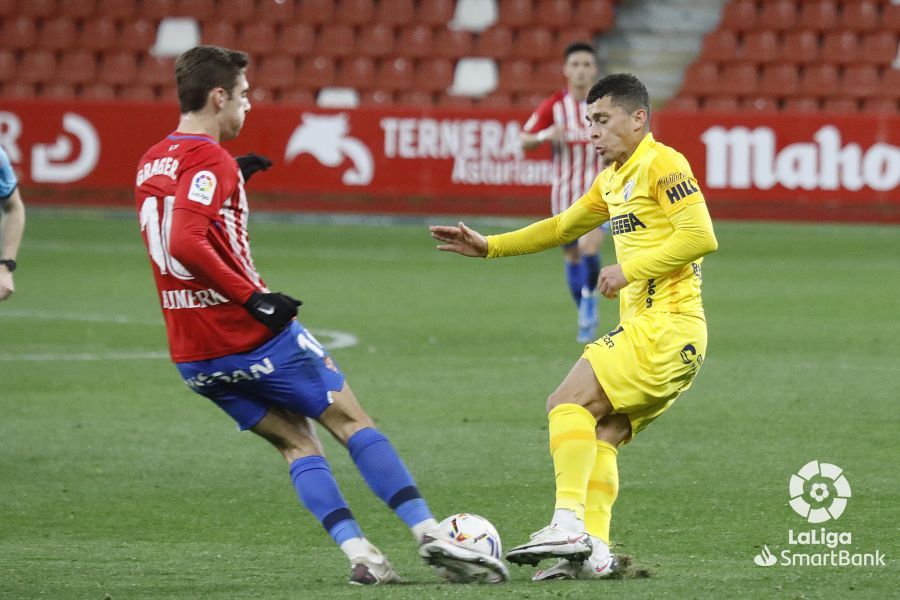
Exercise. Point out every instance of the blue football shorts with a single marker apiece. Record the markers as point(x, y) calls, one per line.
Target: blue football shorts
point(292, 371)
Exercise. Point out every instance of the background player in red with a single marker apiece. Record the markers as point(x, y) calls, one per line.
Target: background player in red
point(561, 121)
point(236, 342)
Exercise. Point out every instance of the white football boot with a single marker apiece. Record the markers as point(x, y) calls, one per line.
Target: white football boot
point(372, 568)
point(461, 565)
point(552, 542)
point(589, 569)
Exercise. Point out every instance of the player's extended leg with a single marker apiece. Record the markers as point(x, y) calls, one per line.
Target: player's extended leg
point(589, 256)
point(574, 409)
point(294, 436)
point(575, 275)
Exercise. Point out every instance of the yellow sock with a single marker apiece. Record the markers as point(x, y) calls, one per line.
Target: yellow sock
point(572, 444)
point(602, 489)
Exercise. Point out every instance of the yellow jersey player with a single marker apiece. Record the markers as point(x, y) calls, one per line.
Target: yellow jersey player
point(624, 380)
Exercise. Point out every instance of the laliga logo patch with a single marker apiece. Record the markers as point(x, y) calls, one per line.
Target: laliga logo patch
point(203, 186)
point(819, 492)
point(629, 186)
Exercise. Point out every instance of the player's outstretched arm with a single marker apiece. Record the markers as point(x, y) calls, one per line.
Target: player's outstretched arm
point(12, 224)
point(460, 239)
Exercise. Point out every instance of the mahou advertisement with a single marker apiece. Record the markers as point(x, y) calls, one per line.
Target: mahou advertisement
point(456, 162)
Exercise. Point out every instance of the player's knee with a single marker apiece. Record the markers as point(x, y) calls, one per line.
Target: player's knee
point(614, 429)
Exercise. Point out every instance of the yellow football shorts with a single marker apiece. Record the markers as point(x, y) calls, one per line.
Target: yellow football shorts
point(647, 361)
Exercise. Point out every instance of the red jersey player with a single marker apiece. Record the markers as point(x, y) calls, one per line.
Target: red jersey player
point(561, 120)
point(239, 344)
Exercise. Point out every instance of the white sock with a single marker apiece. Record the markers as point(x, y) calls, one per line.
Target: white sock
point(421, 528)
point(356, 547)
point(601, 549)
point(567, 520)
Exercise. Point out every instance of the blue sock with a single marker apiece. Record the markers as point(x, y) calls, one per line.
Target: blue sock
point(575, 278)
point(591, 265)
point(319, 493)
point(386, 474)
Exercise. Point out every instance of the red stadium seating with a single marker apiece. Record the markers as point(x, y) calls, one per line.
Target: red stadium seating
point(435, 12)
point(415, 98)
point(358, 72)
point(721, 103)
point(394, 74)
point(840, 47)
point(881, 105)
point(819, 15)
point(118, 68)
point(819, 80)
point(890, 16)
point(495, 42)
point(76, 9)
point(275, 72)
point(57, 34)
point(516, 76)
point(458, 102)
point(859, 81)
point(7, 65)
point(19, 89)
point(496, 99)
point(58, 91)
point(889, 86)
point(777, 15)
point(276, 11)
point(99, 35)
point(434, 75)
point(316, 12)
point(597, 14)
point(739, 15)
point(156, 71)
point(77, 66)
point(202, 10)
point(529, 100)
point(222, 33)
point(238, 11)
point(117, 9)
point(860, 15)
point(800, 47)
point(316, 72)
point(686, 103)
point(19, 33)
point(548, 76)
point(296, 39)
point(701, 79)
point(355, 12)
point(759, 47)
point(720, 46)
point(98, 91)
point(376, 41)
point(335, 41)
point(37, 66)
point(395, 12)
point(515, 13)
point(415, 41)
point(157, 9)
point(137, 93)
point(879, 47)
point(297, 96)
point(137, 35)
point(37, 9)
point(556, 14)
point(759, 103)
point(534, 43)
point(452, 43)
point(739, 79)
point(376, 98)
point(779, 80)
point(840, 105)
point(801, 104)
point(257, 37)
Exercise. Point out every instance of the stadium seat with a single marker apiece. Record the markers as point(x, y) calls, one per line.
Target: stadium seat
point(376, 98)
point(720, 46)
point(176, 35)
point(739, 15)
point(261, 95)
point(76, 9)
point(599, 15)
point(548, 76)
point(555, 14)
point(777, 15)
point(355, 12)
point(840, 47)
point(455, 101)
point(156, 10)
point(137, 93)
point(859, 81)
point(98, 91)
point(7, 65)
point(497, 99)
point(474, 15)
point(19, 33)
point(201, 10)
point(452, 43)
point(890, 16)
point(297, 96)
point(156, 71)
point(19, 89)
point(77, 67)
point(7, 8)
point(781, 79)
point(395, 12)
point(37, 9)
point(800, 104)
point(276, 72)
point(99, 35)
point(879, 47)
point(434, 75)
point(356, 72)
point(316, 12)
point(800, 47)
point(258, 37)
point(759, 103)
point(118, 68)
point(394, 74)
point(223, 33)
point(535, 43)
point(296, 39)
point(376, 40)
point(58, 91)
point(474, 77)
point(759, 47)
point(57, 34)
point(739, 79)
point(819, 80)
point(890, 106)
point(700, 79)
point(337, 97)
point(335, 41)
point(860, 15)
point(685, 103)
point(415, 41)
point(496, 42)
point(36, 66)
point(137, 35)
point(435, 12)
point(415, 98)
point(239, 11)
point(276, 11)
point(515, 13)
point(840, 105)
point(889, 85)
point(517, 76)
point(721, 104)
point(316, 72)
point(564, 37)
point(120, 10)
point(167, 93)
point(528, 100)
point(820, 15)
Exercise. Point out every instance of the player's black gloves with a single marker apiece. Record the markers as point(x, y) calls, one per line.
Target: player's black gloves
point(251, 163)
point(274, 310)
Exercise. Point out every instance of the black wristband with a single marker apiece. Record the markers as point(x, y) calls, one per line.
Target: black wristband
point(9, 263)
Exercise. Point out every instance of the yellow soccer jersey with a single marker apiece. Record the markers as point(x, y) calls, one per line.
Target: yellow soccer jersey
point(660, 228)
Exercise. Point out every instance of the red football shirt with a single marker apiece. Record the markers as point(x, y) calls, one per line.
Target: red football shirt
point(193, 215)
point(575, 161)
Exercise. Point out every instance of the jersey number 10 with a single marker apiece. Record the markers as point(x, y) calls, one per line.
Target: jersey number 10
point(158, 236)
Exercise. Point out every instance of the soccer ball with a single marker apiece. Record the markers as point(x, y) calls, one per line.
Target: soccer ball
point(475, 535)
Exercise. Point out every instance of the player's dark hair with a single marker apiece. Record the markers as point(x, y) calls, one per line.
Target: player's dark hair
point(623, 89)
point(579, 47)
point(204, 68)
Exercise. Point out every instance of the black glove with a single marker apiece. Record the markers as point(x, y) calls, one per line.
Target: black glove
point(251, 163)
point(274, 310)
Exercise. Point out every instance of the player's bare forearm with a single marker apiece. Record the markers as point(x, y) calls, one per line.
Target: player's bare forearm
point(460, 239)
point(12, 224)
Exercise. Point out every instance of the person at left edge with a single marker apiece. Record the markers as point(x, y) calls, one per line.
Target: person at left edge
point(12, 225)
point(236, 342)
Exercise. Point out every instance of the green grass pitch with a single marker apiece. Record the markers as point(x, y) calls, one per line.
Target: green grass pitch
point(117, 482)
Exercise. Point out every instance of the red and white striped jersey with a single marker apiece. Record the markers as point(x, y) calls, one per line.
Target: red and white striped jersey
point(193, 215)
point(575, 162)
